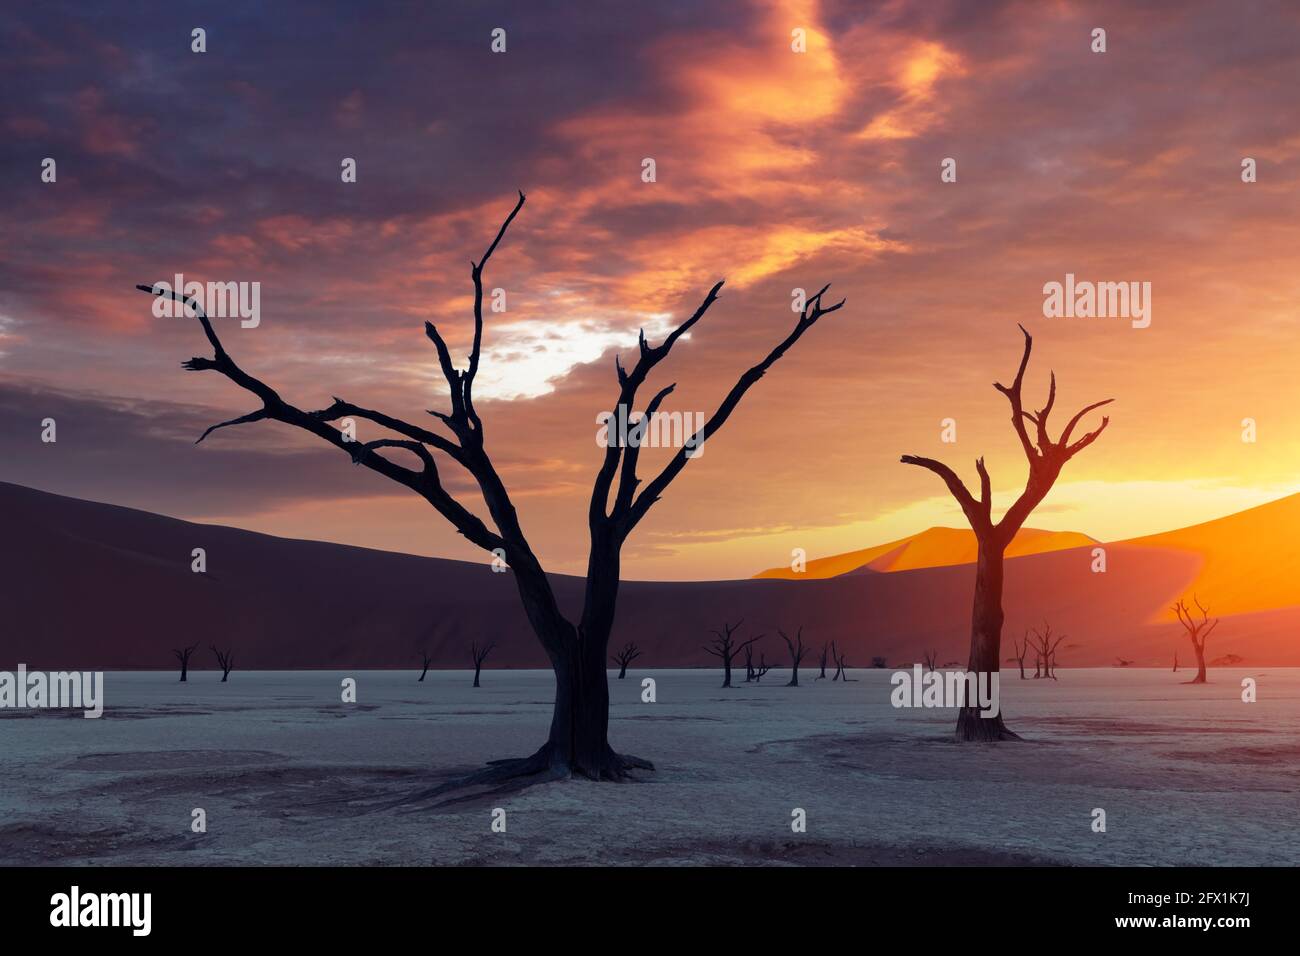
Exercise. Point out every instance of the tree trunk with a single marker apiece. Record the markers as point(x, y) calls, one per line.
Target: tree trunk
point(726, 672)
point(184, 669)
point(477, 668)
point(985, 643)
point(794, 677)
point(224, 676)
point(1200, 665)
point(622, 671)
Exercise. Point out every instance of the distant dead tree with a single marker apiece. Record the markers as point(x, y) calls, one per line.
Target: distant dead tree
point(841, 665)
point(427, 658)
point(226, 659)
point(1197, 632)
point(1120, 662)
point(761, 668)
point(879, 662)
point(479, 655)
point(578, 740)
point(844, 669)
point(749, 661)
point(931, 659)
point(1021, 648)
point(1046, 459)
point(627, 655)
point(823, 658)
point(1045, 647)
point(725, 648)
point(1175, 660)
point(183, 655)
point(797, 652)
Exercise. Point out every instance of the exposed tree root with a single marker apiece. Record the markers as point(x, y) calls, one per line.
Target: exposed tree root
point(515, 774)
point(973, 727)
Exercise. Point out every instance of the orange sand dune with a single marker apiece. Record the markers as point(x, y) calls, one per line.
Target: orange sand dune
point(932, 548)
point(1250, 561)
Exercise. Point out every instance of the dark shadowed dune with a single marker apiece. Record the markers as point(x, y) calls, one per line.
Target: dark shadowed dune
point(90, 585)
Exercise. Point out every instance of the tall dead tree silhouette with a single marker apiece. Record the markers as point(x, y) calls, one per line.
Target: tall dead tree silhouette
point(627, 655)
point(839, 663)
point(578, 742)
point(725, 648)
point(183, 655)
point(931, 659)
point(427, 659)
point(797, 652)
point(1197, 632)
point(1046, 458)
point(226, 659)
point(822, 658)
point(749, 660)
point(480, 655)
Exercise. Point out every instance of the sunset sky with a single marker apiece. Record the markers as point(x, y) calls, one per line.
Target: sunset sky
point(775, 170)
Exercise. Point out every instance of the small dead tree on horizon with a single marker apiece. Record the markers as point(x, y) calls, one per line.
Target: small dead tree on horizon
point(183, 655)
point(839, 664)
point(578, 739)
point(479, 655)
point(1045, 646)
point(1046, 458)
point(749, 661)
point(1021, 649)
point(823, 658)
point(627, 655)
point(427, 659)
point(761, 668)
point(1175, 660)
point(725, 649)
point(1197, 632)
point(931, 660)
point(225, 659)
point(797, 652)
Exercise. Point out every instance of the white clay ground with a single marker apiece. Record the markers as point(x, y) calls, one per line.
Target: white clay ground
point(1186, 774)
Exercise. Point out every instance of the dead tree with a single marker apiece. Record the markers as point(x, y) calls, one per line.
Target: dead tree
point(931, 659)
point(879, 662)
point(225, 659)
point(749, 661)
point(578, 742)
point(842, 667)
point(1021, 649)
point(823, 658)
point(1120, 662)
point(761, 668)
point(1197, 632)
point(479, 655)
point(183, 655)
point(1175, 660)
point(797, 652)
point(839, 664)
point(626, 656)
point(725, 649)
point(427, 659)
point(1046, 459)
point(1045, 647)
